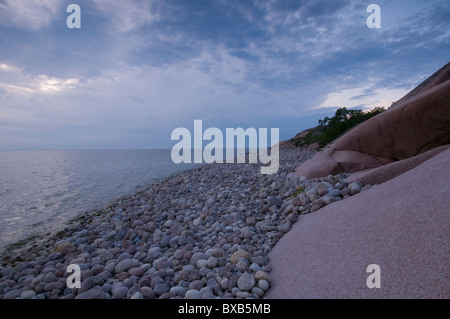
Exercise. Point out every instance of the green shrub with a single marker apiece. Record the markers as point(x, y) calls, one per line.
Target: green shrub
point(342, 121)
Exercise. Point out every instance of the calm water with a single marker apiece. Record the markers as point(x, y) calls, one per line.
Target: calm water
point(41, 190)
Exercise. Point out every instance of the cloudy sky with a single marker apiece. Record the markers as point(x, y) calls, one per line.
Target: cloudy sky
point(138, 69)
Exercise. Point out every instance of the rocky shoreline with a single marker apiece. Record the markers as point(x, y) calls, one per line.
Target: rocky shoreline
point(204, 233)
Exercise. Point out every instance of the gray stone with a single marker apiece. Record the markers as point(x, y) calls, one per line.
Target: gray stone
point(110, 266)
point(262, 275)
point(12, 294)
point(246, 281)
point(266, 226)
point(120, 292)
point(333, 193)
point(250, 221)
point(239, 254)
point(263, 284)
point(147, 292)
point(311, 192)
point(189, 274)
point(193, 294)
point(260, 260)
point(86, 285)
point(345, 191)
point(257, 291)
point(241, 266)
point(197, 256)
point(202, 263)
point(285, 227)
point(224, 283)
point(127, 264)
point(156, 280)
point(27, 294)
point(54, 285)
point(136, 271)
point(137, 295)
point(355, 188)
point(161, 289)
point(274, 201)
point(212, 262)
point(255, 267)
point(92, 294)
point(242, 294)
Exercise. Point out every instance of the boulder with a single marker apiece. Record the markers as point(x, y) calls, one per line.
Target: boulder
point(321, 164)
point(402, 226)
point(414, 125)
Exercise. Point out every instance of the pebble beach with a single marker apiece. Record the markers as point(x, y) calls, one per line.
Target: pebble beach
point(204, 233)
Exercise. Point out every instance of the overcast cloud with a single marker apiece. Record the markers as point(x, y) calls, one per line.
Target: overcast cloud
point(138, 69)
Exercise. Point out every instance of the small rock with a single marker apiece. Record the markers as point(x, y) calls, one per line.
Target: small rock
point(355, 188)
point(92, 294)
point(274, 201)
point(262, 275)
point(333, 193)
point(239, 254)
point(193, 294)
point(285, 227)
point(241, 266)
point(137, 295)
point(318, 202)
point(257, 291)
point(27, 294)
point(127, 264)
point(161, 289)
point(189, 274)
point(202, 263)
point(296, 202)
point(242, 294)
point(197, 256)
point(265, 226)
point(263, 284)
point(66, 248)
point(120, 292)
point(246, 281)
point(260, 260)
point(250, 221)
point(345, 191)
point(147, 292)
point(12, 294)
point(212, 262)
point(224, 283)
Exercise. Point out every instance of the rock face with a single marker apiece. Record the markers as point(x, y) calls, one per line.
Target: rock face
point(401, 225)
point(417, 123)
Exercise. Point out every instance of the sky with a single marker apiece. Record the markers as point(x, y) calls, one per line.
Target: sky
point(138, 69)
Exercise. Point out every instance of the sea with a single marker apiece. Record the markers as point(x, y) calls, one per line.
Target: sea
point(40, 191)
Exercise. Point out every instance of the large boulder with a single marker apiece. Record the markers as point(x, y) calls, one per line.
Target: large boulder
point(417, 123)
point(401, 225)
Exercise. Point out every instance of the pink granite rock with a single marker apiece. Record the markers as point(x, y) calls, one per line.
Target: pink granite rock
point(419, 122)
point(384, 173)
point(320, 163)
point(400, 225)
